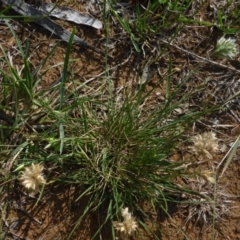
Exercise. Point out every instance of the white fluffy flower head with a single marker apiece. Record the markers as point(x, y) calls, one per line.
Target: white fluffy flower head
point(32, 177)
point(226, 47)
point(204, 145)
point(129, 225)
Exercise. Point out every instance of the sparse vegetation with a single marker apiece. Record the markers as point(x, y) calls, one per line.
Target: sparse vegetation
point(112, 137)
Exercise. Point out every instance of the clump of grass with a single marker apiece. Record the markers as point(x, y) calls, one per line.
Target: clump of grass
point(120, 153)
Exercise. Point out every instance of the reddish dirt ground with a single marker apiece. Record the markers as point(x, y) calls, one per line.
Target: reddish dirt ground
point(55, 215)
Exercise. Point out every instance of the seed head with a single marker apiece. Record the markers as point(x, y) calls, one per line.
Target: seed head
point(204, 145)
point(209, 176)
point(128, 225)
point(32, 177)
point(226, 47)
